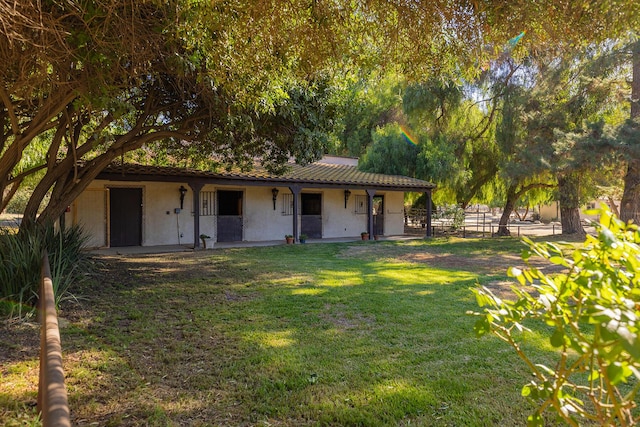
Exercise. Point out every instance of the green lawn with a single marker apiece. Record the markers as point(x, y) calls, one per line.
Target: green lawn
point(358, 334)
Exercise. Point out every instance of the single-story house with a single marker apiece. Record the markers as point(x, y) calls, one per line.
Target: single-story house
point(137, 205)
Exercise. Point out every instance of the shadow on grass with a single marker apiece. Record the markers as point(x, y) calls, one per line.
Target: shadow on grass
point(298, 335)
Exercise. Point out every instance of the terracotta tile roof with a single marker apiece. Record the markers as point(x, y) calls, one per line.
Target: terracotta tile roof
point(315, 174)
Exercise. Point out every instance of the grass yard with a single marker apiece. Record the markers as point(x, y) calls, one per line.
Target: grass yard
point(348, 334)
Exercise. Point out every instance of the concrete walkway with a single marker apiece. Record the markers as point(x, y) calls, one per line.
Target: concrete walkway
point(148, 250)
point(472, 226)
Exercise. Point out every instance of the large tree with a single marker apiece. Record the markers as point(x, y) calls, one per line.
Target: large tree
point(98, 79)
point(630, 204)
point(520, 156)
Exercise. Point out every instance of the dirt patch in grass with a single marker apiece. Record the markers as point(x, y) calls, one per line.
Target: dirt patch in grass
point(488, 264)
point(495, 263)
point(335, 314)
point(142, 356)
point(19, 341)
point(502, 289)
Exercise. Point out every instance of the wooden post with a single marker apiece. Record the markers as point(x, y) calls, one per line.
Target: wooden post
point(370, 193)
point(428, 225)
point(295, 190)
point(196, 187)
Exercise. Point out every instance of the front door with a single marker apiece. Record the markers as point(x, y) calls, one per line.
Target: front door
point(311, 215)
point(125, 216)
point(378, 216)
point(229, 216)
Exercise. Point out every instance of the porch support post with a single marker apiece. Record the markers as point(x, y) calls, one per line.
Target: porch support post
point(295, 190)
point(428, 225)
point(370, 193)
point(196, 187)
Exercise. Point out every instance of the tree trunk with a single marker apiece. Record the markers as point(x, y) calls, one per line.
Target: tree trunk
point(569, 191)
point(613, 206)
point(630, 204)
point(524, 215)
point(509, 206)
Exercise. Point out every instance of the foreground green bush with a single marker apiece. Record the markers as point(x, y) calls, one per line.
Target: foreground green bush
point(20, 260)
point(590, 312)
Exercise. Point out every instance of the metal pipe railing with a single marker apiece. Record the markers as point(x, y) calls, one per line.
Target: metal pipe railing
point(52, 394)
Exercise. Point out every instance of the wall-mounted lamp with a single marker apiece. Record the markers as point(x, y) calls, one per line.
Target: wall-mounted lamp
point(274, 192)
point(182, 191)
point(347, 193)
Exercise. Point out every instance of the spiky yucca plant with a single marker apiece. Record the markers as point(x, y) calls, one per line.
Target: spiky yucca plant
point(20, 263)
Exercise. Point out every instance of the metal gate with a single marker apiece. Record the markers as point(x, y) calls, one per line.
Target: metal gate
point(230, 220)
point(378, 216)
point(311, 215)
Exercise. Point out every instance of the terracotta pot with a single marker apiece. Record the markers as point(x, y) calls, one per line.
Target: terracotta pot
point(289, 240)
point(364, 236)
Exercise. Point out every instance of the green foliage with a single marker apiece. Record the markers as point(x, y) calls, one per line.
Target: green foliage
point(433, 103)
point(454, 213)
point(20, 260)
point(18, 202)
point(591, 313)
point(391, 152)
point(364, 106)
point(328, 334)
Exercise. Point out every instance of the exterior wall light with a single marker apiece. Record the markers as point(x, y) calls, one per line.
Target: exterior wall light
point(182, 191)
point(347, 193)
point(274, 192)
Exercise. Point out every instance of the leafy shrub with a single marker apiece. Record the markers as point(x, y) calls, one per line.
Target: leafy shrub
point(454, 213)
point(20, 264)
point(591, 312)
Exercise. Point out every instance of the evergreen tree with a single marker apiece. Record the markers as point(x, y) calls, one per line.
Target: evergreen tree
point(630, 204)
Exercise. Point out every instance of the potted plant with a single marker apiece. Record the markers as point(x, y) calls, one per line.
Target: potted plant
point(289, 238)
point(303, 238)
point(364, 235)
point(204, 238)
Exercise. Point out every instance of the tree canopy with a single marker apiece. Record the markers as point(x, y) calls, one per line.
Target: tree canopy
point(237, 80)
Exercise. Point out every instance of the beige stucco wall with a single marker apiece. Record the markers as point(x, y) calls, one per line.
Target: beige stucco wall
point(162, 226)
point(551, 212)
point(90, 210)
point(208, 223)
point(338, 221)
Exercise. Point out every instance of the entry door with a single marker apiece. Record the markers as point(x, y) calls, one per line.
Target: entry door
point(311, 215)
point(229, 216)
point(378, 215)
point(125, 216)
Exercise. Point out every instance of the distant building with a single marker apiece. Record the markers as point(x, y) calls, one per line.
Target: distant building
point(136, 205)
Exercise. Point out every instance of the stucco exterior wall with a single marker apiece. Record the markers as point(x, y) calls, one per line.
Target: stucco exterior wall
point(161, 225)
point(90, 210)
point(261, 222)
point(208, 223)
point(338, 221)
point(550, 212)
